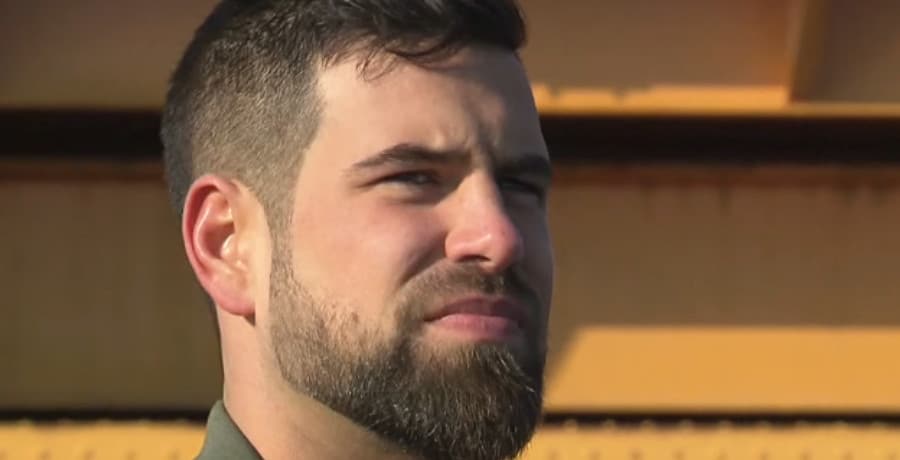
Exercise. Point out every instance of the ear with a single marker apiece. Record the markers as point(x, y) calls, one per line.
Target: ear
point(216, 244)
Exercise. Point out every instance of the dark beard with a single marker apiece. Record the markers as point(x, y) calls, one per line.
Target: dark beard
point(476, 402)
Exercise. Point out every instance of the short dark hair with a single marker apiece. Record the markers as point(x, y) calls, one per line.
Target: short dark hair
point(242, 101)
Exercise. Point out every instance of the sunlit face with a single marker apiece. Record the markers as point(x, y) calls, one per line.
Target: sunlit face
point(412, 290)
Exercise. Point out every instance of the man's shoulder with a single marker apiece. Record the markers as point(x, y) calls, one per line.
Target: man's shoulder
point(224, 440)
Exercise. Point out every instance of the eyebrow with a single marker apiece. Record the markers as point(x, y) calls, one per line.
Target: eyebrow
point(406, 154)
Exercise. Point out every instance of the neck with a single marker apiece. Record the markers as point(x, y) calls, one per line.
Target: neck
point(282, 423)
point(302, 428)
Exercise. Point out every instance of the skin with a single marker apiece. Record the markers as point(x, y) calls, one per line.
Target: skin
point(363, 229)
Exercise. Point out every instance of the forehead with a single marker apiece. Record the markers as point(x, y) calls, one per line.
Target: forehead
point(478, 100)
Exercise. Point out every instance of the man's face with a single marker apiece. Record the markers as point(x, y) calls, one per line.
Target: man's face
point(411, 291)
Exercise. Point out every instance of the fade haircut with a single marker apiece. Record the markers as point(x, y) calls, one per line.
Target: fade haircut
point(242, 102)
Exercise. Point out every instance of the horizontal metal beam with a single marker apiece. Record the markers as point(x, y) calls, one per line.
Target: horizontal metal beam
point(618, 139)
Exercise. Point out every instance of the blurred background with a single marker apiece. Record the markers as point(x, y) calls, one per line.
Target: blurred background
point(726, 216)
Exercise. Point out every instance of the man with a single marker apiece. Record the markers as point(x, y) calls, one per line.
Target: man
point(362, 187)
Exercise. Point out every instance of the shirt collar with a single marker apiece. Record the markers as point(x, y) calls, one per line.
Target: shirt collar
point(224, 439)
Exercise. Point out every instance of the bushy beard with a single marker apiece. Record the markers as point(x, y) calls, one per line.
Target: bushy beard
point(472, 402)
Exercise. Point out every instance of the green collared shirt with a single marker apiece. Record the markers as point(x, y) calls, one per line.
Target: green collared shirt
point(224, 440)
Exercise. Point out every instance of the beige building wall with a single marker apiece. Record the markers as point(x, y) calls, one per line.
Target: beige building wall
point(599, 54)
point(99, 306)
point(101, 310)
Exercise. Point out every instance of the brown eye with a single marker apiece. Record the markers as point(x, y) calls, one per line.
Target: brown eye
point(413, 178)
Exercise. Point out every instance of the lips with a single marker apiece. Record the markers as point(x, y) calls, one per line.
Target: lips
point(489, 310)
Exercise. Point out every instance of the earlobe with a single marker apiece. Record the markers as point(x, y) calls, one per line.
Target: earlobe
point(212, 241)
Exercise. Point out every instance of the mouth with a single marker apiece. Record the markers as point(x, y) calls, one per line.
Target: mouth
point(481, 318)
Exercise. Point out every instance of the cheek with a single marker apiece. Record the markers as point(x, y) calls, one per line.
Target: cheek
point(400, 243)
point(539, 261)
point(363, 257)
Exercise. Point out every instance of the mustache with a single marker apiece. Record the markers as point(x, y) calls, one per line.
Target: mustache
point(447, 283)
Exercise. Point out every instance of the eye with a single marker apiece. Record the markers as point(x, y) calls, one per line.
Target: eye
point(412, 178)
point(514, 185)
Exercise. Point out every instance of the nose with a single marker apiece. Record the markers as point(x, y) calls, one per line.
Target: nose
point(483, 231)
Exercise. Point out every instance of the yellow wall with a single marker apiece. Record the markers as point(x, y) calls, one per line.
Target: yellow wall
point(177, 441)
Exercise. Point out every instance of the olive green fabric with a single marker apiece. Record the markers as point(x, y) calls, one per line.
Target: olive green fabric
point(224, 440)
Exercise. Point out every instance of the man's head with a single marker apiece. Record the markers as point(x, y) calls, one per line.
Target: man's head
point(363, 187)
